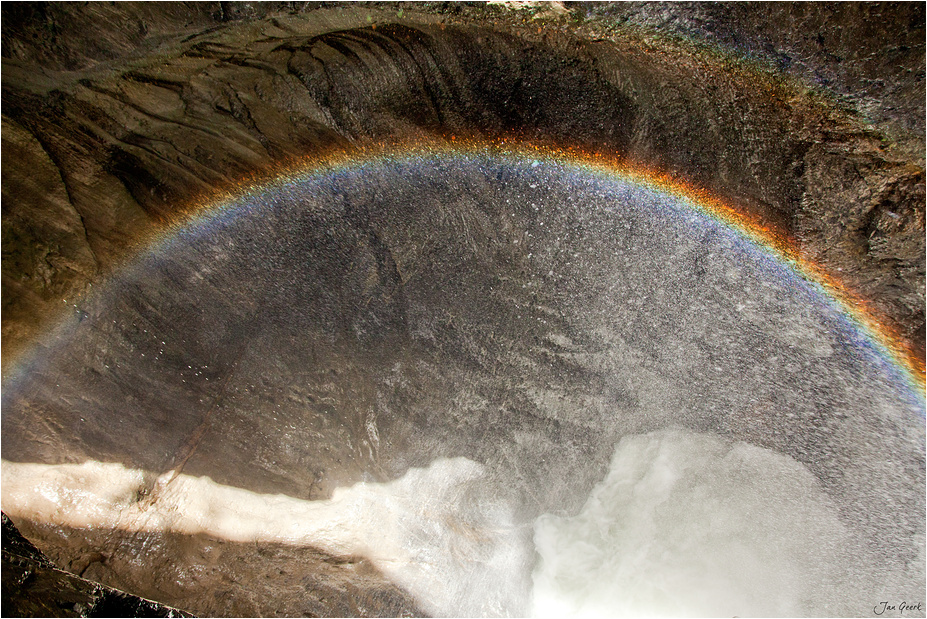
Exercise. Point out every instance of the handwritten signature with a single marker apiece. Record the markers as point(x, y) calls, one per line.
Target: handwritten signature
point(881, 607)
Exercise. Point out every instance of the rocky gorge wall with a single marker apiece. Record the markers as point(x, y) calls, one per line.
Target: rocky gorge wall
point(117, 120)
point(466, 336)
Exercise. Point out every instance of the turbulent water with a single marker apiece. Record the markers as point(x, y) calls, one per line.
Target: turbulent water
point(429, 362)
point(684, 524)
point(692, 525)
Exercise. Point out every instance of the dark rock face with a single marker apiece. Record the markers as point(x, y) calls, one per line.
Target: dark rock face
point(425, 318)
point(33, 587)
point(131, 138)
point(292, 581)
point(869, 56)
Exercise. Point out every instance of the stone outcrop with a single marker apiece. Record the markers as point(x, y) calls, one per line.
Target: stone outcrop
point(34, 587)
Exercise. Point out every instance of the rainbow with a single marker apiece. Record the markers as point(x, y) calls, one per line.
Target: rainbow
point(877, 329)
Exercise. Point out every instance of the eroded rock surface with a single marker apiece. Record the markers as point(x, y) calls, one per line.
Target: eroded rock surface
point(174, 104)
point(372, 333)
point(33, 587)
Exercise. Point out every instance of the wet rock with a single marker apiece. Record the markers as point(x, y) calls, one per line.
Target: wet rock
point(148, 118)
point(305, 581)
point(122, 120)
point(350, 329)
point(33, 587)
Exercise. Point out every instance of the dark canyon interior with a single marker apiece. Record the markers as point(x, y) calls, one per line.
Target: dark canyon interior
point(442, 295)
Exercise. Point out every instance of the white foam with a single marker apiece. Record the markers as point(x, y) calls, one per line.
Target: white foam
point(436, 532)
point(692, 525)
